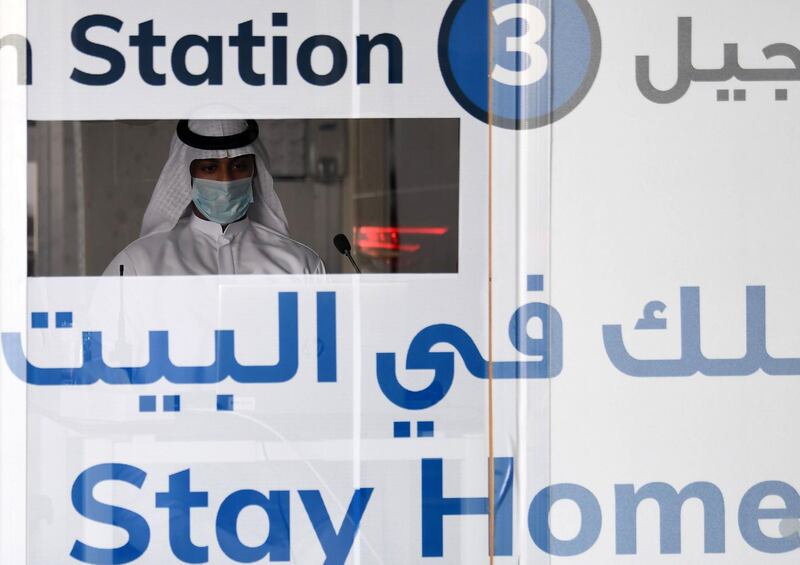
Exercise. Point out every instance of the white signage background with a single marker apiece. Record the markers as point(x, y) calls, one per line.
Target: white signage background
point(643, 312)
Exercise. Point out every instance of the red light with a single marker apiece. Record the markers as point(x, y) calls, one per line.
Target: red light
point(374, 238)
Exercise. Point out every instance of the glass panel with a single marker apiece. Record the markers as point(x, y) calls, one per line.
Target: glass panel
point(391, 185)
point(358, 368)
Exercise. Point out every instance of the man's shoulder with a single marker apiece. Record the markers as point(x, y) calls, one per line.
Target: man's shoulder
point(150, 245)
point(147, 242)
point(280, 239)
point(139, 254)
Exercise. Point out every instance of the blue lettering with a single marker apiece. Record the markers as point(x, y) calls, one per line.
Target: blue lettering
point(670, 503)
point(115, 59)
point(394, 49)
point(245, 41)
point(86, 505)
point(435, 507)
point(249, 46)
point(539, 513)
point(276, 545)
point(280, 50)
point(335, 545)
point(750, 513)
point(338, 52)
point(326, 337)
point(24, 56)
point(213, 71)
point(147, 41)
point(180, 500)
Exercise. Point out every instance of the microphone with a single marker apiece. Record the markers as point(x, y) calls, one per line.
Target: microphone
point(342, 244)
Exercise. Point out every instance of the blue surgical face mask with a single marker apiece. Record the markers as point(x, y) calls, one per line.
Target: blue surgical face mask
point(222, 201)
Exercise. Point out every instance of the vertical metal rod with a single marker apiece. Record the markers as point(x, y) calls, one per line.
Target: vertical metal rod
point(490, 120)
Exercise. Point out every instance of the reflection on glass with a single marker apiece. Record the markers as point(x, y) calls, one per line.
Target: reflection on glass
point(390, 185)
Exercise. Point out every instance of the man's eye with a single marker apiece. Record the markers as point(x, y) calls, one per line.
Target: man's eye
point(208, 168)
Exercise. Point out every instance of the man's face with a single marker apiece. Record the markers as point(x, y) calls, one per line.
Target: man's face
point(228, 168)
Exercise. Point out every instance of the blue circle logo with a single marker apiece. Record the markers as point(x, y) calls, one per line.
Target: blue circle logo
point(540, 70)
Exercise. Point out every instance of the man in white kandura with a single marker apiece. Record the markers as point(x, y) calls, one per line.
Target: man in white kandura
point(214, 210)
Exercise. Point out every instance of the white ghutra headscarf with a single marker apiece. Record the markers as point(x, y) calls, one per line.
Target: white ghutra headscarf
point(172, 194)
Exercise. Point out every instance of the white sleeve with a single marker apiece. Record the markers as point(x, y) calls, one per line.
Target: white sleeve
point(320, 270)
point(123, 259)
